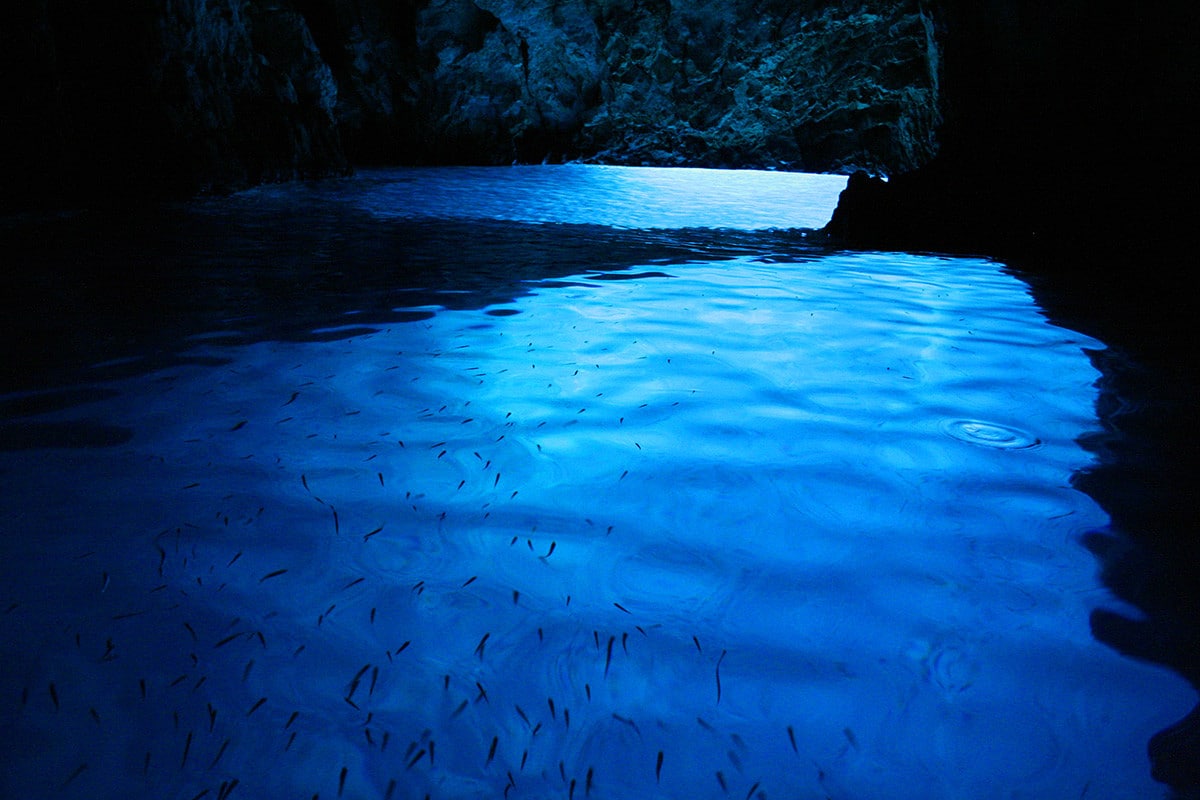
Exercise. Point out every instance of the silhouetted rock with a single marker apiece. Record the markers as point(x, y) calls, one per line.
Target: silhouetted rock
point(142, 101)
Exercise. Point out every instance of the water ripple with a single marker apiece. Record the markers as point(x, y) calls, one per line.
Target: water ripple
point(990, 434)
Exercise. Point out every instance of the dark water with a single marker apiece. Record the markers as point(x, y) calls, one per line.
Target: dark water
point(547, 482)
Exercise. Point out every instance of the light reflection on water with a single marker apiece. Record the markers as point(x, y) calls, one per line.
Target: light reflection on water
point(794, 519)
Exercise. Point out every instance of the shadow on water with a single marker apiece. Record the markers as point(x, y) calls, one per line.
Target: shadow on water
point(105, 296)
point(96, 297)
point(1145, 477)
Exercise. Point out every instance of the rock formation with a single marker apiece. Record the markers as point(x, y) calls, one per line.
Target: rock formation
point(1063, 127)
point(141, 100)
point(136, 101)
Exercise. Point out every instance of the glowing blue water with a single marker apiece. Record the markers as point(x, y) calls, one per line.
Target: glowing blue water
point(739, 518)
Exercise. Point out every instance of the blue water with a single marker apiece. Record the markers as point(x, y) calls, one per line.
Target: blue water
point(553, 482)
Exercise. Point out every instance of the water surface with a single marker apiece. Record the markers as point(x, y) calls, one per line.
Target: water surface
point(547, 483)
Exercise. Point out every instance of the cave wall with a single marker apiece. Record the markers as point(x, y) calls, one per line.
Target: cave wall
point(156, 98)
point(1066, 127)
point(146, 99)
point(771, 83)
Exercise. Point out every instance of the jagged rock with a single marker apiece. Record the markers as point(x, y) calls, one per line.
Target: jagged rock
point(822, 87)
point(214, 94)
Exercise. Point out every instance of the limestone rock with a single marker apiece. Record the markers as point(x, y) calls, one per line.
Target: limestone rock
point(145, 100)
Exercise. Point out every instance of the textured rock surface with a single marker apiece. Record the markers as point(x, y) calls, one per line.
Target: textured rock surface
point(148, 98)
point(768, 83)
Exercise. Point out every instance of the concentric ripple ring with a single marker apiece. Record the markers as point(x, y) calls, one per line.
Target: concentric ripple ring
point(990, 434)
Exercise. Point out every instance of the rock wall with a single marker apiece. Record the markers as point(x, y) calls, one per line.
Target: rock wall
point(815, 86)
point(138, 100)
point(1064, 129)
point(147, 98)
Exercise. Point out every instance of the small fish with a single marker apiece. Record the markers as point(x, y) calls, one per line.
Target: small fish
point(187, 746)
point(622, 608)
point(721, 780)
point(567, 717)
point(342, 781)
point(492, 750)
point(257, 705)
point(718, 673)
point(230, 637)
point(550, 702)
point(587, 782)
point(522, 715)
point(391, 789)
point(413, 761)
point(270, 575)
point(220, 753)
point(550, 551)
point(608, 657)
point(628, 722)
point(78, 771)
point(792, 738)
point(291, 400)
point(54, 696)
point(482, 693)
point(697, 641)
point(354, 582)
point(753, 789)
point(469, 581)
point(524, 758)
point(849, 734)
point(239, 425)
point(291, 719)
point(658, 767)
point(372, 533)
